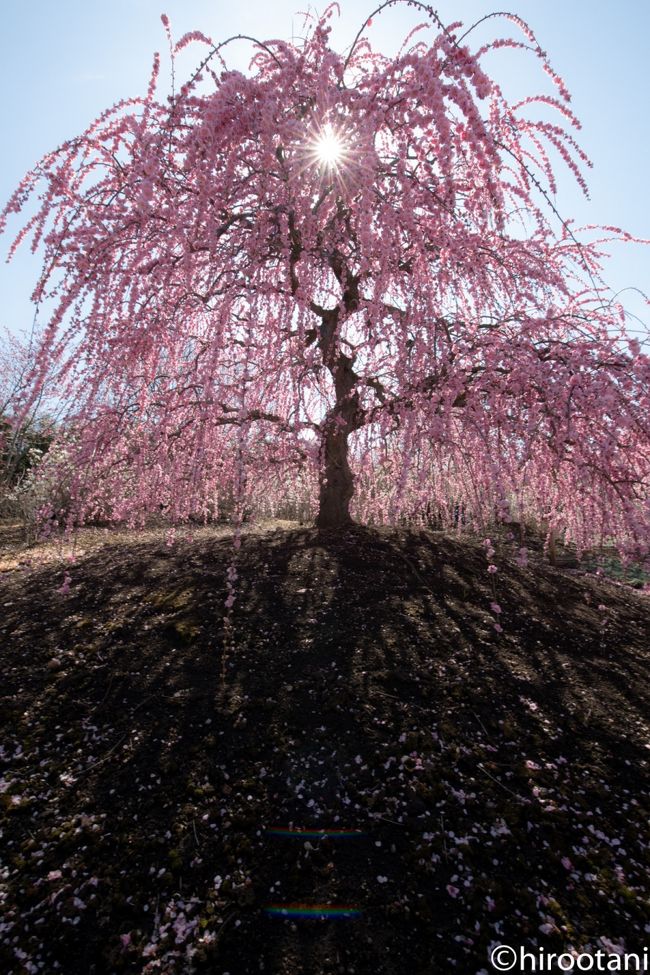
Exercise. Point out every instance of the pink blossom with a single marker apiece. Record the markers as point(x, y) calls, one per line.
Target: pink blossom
point(217, 350)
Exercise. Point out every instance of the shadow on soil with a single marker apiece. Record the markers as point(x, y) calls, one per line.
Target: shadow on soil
point(495, 783)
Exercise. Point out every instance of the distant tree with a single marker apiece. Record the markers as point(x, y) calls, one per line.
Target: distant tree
point(338, 270)
point(20, 444)
point(29, 478)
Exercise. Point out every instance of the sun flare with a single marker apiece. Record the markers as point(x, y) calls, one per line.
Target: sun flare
point(329, 148)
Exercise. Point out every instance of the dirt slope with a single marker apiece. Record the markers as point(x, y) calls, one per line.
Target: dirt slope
point(473, 786)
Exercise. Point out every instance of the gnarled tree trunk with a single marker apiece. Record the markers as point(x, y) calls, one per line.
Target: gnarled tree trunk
point(336, 485)
point(336, 482)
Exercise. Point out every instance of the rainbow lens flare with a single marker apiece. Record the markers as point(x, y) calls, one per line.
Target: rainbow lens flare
point(312, 911)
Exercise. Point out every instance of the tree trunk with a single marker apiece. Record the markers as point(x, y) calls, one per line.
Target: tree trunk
point(336, 485)
point(336, 482)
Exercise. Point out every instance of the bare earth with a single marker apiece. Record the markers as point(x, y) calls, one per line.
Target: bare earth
point(159, 764)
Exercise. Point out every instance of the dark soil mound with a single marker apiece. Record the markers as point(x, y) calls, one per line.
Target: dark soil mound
point(463, 787)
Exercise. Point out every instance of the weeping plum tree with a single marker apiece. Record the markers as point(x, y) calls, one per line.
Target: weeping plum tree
point(339, 277)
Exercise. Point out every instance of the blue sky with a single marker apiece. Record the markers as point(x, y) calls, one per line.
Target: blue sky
point(63, 62)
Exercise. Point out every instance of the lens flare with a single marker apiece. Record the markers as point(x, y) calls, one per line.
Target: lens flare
point(329, 147)
point(320, 911)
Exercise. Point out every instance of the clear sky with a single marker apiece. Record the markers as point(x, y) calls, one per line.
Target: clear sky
point(63, 61)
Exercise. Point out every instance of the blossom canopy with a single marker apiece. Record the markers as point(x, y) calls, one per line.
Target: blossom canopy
point(338, 280)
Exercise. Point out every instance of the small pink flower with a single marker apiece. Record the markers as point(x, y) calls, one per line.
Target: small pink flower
point(452, 891)
point(495, 608)
point(54, 875)
point(566, 863)
point(126, 940)
point(498, 628)
point(492, 569)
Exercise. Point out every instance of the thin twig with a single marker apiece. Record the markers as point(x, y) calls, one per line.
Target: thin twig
point(502, 786)
point(104, 757)
point(394, 822)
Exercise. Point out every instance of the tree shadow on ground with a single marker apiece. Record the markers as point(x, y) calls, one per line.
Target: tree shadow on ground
point(491, 786)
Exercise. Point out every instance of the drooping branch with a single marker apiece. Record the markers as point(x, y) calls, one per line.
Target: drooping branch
point(378, 308)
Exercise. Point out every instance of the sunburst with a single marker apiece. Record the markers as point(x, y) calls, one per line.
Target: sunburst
point(331, 154)
point(329, 148)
